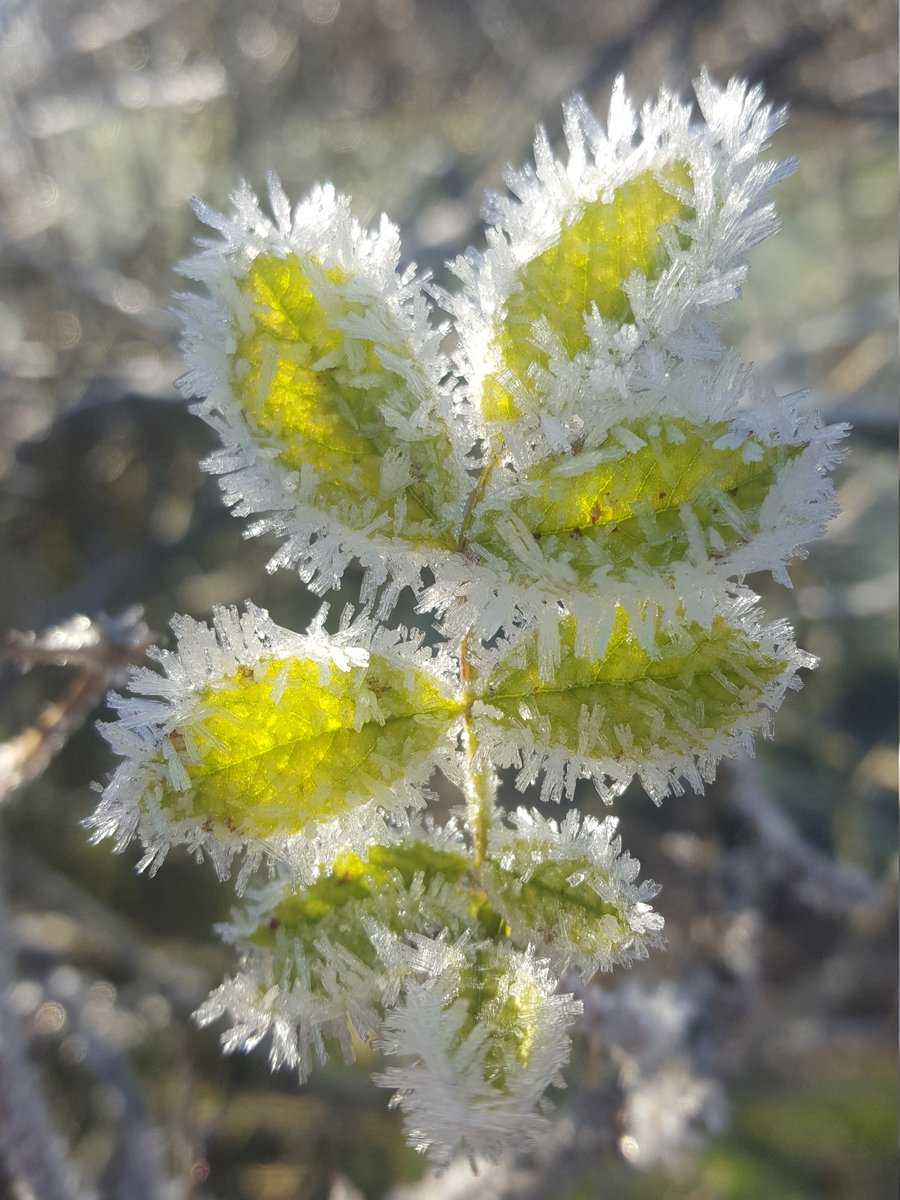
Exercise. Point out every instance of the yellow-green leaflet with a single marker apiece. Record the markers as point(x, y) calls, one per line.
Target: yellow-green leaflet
point(555, 907)
point(631, 705)
point(319, 397)
point(628, 511)
point(586, 266)
point(508, 1004)
point(275, 751)
point(570, 891)
point(381, 886)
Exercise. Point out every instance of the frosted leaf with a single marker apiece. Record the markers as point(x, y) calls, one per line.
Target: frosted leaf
point(570, 891)
point(645, 227)
point(662, 705)
point(319, 963)
point(481, 1045)
point(317, 366)
point(290, 747)
point(657, 488)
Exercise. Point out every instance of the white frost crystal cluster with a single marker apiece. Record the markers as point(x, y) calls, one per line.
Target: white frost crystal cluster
point(576, 498)
point(478, 1084)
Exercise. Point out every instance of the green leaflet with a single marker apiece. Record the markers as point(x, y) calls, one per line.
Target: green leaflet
point(570, 892)
point(319, 396)
point(295, 743)
point(387, 886)
point(626, 512)
point(540, 899)
point(319, 963)
point(629, 705)
point(506, 1002)
point(587, 265)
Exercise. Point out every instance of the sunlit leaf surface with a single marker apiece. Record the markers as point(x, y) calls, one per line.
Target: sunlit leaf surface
point(585, 267)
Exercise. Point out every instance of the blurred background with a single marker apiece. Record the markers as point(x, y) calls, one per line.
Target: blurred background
point(757, 1057)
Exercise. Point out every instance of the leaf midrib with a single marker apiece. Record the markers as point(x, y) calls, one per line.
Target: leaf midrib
point(569, 895)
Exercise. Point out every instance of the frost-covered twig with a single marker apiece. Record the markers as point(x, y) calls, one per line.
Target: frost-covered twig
point(577, 500)
point(101, 648)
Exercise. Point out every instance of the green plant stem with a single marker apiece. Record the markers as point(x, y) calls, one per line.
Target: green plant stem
point(474, 498)
point(480, 785)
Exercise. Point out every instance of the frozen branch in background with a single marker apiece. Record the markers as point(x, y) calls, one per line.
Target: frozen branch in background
point(671, 1101)
point(820, 881)
point(101, 649)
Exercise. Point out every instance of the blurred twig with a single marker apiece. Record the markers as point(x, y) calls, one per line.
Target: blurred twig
point(136, 1171)
point(184, 984)
point(821, 882)
point(101, 649)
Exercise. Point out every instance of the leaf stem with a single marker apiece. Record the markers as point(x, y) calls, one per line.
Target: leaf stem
point(479, 784)
point(474, 498)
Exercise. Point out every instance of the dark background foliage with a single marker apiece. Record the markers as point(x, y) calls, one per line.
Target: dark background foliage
point(114, 113)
